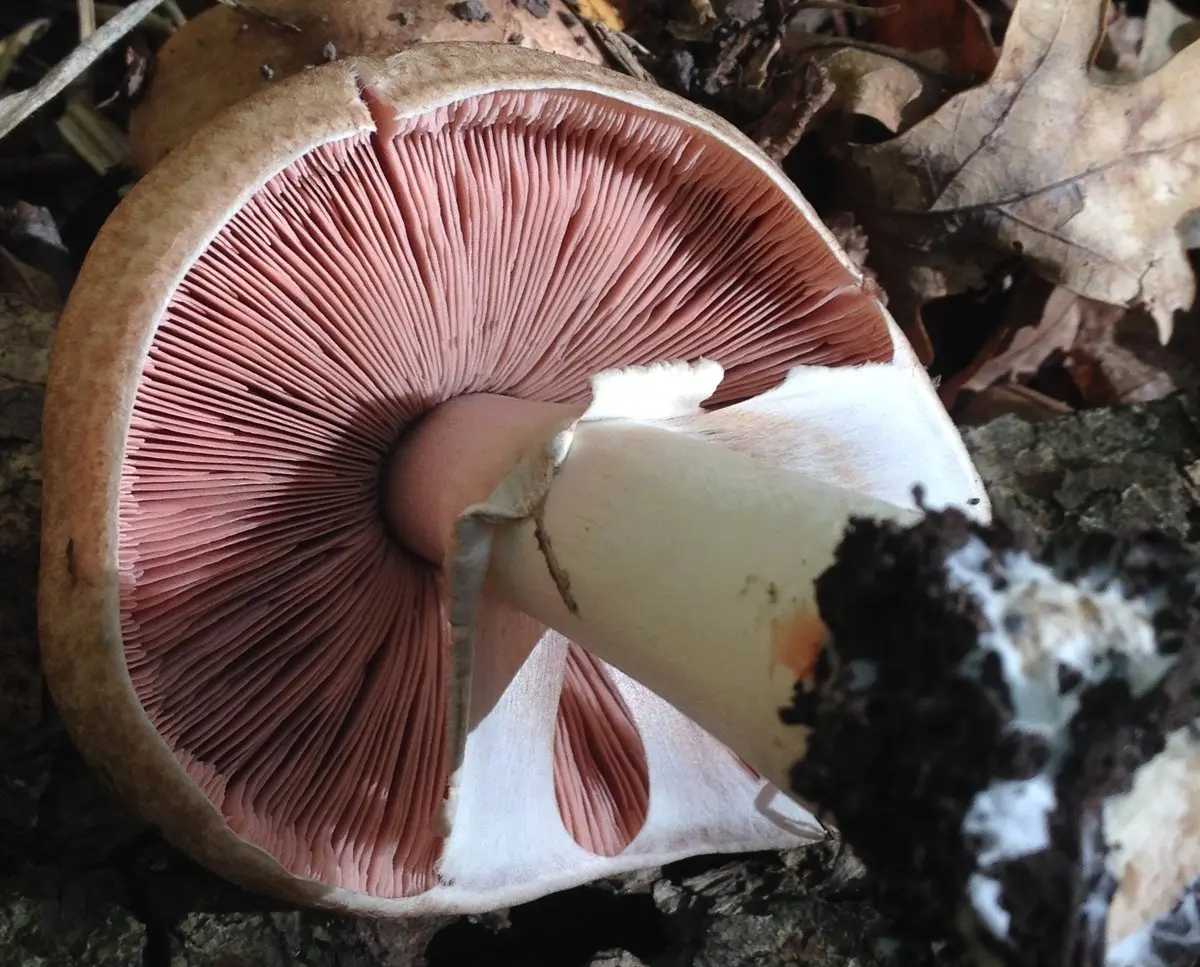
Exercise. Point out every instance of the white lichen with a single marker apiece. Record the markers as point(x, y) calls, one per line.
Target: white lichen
point(1009, 819)
point(1053, 639)
point(1040, 623)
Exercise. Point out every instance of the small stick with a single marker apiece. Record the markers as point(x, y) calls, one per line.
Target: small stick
point(619, 46)
point(158, 22)
point(174, 14)
point(785, 124)
point(87, 19)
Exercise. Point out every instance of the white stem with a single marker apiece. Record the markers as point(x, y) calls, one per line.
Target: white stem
point(688, 566)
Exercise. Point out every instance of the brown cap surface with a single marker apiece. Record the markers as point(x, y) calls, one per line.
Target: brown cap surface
point(238, 54)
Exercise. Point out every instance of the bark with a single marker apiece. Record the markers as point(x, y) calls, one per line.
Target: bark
point(82, 882)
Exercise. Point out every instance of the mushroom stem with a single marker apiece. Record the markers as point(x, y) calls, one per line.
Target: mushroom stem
point(688, 566)
point(685, 564)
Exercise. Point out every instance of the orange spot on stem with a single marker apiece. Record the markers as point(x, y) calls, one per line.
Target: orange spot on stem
point(796, 641)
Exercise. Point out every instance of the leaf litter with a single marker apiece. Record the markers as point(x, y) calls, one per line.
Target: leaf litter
point(961, 147)
point(1084, 176)
point(1051, 136)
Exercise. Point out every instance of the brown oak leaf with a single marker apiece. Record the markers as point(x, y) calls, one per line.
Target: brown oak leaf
point(1087, 176)
point(1026, 340)
point(954, 26)
point(871, 84)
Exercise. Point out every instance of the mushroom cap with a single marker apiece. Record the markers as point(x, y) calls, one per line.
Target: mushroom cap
point(188, 301)
point(229, 49)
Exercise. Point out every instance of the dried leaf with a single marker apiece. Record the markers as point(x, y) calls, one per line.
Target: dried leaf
point(25, 335)
point(12, 46)
point(1168, 30)
point(953, 26)
point(33, 252)
point(780, 130)
point(1023, 401)
point(1086, 178)
point(24, 221)
point(616, 45)
point(1117, 358)
point(93, 136)
point(1029, 346)
point(22, 281)
point(874, 85)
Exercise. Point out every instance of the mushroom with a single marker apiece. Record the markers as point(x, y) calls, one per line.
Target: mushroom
point(287, 377)
point(240, 52)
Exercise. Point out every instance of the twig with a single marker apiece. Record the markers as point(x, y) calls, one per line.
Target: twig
point(87, 18)
point(619, 46)
point(633, 43)
point(17, 107)
point(785, 124)
point(152, 21)
point(12, 46)
point(174, 14)
point(616, 46)
point(704, 12)
point(95, 138)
